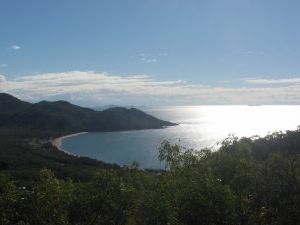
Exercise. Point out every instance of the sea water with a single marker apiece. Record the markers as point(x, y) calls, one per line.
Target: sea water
point(199, 127)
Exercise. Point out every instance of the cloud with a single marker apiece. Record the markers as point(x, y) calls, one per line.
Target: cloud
point(2, 79)
point(153, 60)
point(89, 85)
point(92, 88)
point(15, 47)
point(3, 65)
point(152, 57)
point(273, 81)
point(147, 59)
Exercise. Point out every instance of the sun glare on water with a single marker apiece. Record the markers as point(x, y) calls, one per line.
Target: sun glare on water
point(208, 124)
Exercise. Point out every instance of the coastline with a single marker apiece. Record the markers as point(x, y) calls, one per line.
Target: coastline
point(57, 142)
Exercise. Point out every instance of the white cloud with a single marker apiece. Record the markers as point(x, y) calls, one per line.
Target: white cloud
point(91, 88)
point(2, 79)
point(148, 60)
point(153, 60)
point(3, 65)
point(273, 81)
point(15, 47)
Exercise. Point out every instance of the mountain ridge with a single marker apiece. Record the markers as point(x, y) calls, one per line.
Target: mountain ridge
point(66, 117)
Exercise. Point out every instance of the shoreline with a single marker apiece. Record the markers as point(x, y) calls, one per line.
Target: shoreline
point(57, 142)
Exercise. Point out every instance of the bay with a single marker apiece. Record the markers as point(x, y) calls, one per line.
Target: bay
point(199, 127)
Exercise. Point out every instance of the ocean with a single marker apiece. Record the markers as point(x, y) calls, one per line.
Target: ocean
point(199, 127)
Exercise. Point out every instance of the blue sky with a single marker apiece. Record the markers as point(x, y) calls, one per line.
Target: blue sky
point(170, 51)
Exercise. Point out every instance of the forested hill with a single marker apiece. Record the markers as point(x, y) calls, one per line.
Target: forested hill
point(248, 181)
point(63, 116)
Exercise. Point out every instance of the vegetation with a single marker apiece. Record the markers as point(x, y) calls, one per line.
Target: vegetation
point(23, 153)
point(247, 181)
point(62, 116)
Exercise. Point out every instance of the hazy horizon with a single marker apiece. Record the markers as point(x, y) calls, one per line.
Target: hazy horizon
point(144, 106)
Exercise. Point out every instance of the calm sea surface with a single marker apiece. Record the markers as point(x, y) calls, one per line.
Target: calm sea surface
point(199, 127)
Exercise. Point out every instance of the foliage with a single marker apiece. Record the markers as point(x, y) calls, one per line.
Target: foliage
point(247, 181)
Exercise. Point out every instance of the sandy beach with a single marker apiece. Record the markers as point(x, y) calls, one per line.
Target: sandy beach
point(57, 142)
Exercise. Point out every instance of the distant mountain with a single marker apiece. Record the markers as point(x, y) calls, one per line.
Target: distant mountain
point(100, 108)
point(66, 117)
point(104, 107)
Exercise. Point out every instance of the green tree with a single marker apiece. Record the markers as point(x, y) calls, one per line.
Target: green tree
point(49, 200)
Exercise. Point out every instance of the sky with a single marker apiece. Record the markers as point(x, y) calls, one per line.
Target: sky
point(151, 52)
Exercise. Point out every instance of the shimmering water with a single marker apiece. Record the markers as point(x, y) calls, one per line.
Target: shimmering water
point(199, 127)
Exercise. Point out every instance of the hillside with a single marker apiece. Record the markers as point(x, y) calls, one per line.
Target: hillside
point(23, 158)
point(247, 181)
point(63, 116)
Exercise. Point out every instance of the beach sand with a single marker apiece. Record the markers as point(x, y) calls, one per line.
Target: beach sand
point(57, 142)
